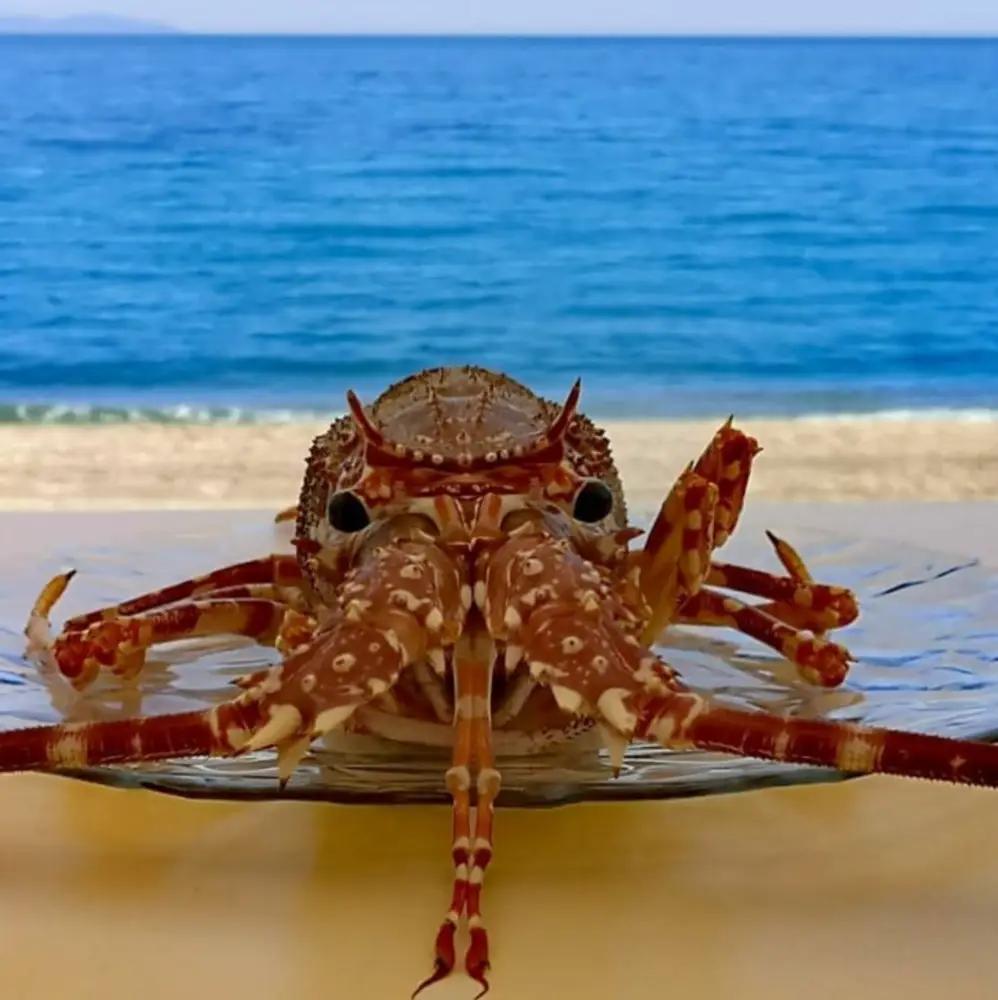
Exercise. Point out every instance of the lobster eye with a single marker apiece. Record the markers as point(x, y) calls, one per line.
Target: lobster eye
point(593, 502)
point(347, 512)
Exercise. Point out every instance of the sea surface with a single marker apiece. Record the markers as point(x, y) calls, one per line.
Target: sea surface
point(240, 228)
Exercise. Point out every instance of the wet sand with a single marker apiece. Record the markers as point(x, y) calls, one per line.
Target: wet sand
point(120, 466)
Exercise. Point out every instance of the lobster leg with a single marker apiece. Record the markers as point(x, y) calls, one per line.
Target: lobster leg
point(698, 516)
point(790, 559)
point(684, 720)
point(841, 605)
point(400, 601)
point(311, 693)
point(803, 605)
point(292, 597)
point(727, 462)
point(677, 550)
point(120, 644)
point(278, 570)
point(795, 599)
point(818, 661)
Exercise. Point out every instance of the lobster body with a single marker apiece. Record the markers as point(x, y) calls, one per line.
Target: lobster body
point(457, 470)
point(465, 575)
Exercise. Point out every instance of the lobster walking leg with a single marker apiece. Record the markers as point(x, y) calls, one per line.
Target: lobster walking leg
point(727, 462)
point(120, 644)
point(795, 599)
point(677, 550)
point(790, 558)
point(278, 570)
point(698, 516)
point(311, 693)
point(819, 661)
point(290, 596)
point(803, 605)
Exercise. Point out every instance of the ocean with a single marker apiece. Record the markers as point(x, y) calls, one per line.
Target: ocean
point(240, 228)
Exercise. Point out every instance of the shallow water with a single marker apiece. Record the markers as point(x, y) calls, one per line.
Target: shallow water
point(926, 645)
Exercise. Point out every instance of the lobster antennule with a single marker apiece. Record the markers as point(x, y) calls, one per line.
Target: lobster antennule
point(471, 848)
point(684, 720)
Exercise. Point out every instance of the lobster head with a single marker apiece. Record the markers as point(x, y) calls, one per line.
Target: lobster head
point(461, 458)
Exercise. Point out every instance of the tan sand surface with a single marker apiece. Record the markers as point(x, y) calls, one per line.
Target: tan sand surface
point(156, 465)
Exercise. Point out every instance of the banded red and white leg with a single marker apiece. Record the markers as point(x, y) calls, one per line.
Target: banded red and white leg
point(795, 598)
point(727, 463)
point(280, 572)
point(676, 554)
point(119, 644)
point(818, 660)
point(109, 637)
point(400, 603)
point(699, 514)
point(308, 695)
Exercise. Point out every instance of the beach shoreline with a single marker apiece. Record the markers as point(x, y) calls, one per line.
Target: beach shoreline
point(195, 466)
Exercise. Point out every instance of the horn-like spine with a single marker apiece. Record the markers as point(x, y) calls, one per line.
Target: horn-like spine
point(556, 431)
point(365, 426)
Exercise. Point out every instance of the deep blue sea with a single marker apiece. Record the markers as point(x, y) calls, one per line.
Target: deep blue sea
point(193, 225)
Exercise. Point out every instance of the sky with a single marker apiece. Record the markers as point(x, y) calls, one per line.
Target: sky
point(548, 16)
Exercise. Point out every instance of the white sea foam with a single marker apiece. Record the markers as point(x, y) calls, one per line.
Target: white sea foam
point(972, 415)
point(182, 413)
point(83, 413)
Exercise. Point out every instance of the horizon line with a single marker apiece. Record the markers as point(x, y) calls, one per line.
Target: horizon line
point(172, 31)
point(990, 35)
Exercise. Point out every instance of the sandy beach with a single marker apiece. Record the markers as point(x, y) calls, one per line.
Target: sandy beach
point(119, 466)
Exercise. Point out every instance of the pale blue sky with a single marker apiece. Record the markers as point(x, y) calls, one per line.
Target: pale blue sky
point(544, 16)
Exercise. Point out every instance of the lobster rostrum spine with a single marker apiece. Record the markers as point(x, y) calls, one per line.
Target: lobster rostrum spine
point(465, 575)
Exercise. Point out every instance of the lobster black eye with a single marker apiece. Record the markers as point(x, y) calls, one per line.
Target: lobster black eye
point(347, 512)
point(593, 502)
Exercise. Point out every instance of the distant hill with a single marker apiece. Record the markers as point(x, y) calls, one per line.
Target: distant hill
point(82, 24)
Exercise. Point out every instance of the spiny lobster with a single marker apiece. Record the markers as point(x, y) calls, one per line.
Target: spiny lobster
point(465, 576)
